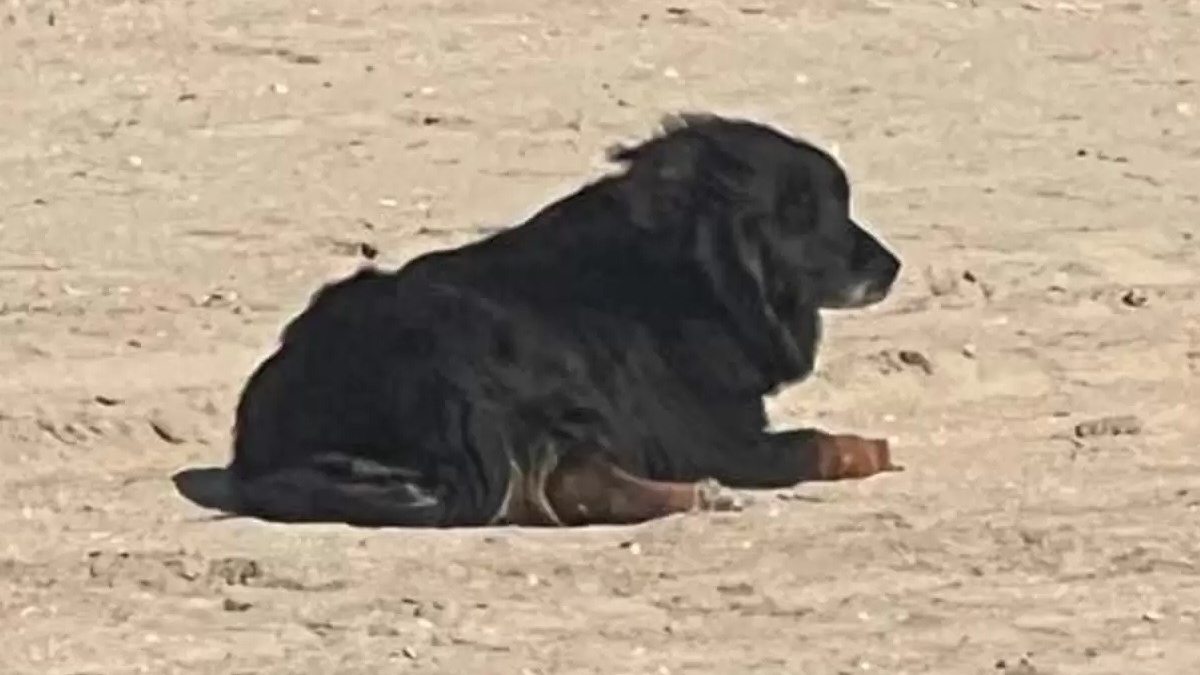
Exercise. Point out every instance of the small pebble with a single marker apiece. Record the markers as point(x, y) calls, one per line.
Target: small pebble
point(165, 428)
point(942, 282)
point(916, 359)
point(1134, 298)
point(1112, 425)
point(231, 605)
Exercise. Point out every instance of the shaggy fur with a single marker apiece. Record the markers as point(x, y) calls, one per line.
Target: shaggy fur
point(643, 318)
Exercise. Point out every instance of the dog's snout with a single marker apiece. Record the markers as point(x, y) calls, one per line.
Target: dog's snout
point(873, 259)
point(868, 275)
point(885, 267)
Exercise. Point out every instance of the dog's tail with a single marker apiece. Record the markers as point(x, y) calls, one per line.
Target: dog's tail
point(340, 488)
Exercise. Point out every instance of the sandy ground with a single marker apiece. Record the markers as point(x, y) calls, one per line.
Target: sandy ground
point(176, 178)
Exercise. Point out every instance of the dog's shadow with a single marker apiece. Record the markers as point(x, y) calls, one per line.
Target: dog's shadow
point(207, 487)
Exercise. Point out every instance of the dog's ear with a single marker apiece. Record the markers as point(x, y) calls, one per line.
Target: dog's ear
point(732, 258)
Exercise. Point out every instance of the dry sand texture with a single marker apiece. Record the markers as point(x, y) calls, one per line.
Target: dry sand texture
point(176, 178)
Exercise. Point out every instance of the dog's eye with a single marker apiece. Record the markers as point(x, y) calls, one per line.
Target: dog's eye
point(796, 202)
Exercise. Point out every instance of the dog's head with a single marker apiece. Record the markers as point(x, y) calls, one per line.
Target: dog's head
point(789, 198)
point(768, 218)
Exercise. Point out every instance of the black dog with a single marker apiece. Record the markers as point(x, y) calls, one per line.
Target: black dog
point(605, 361)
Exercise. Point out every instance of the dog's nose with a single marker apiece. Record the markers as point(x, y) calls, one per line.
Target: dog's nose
point(893, 266)
point(885, 268)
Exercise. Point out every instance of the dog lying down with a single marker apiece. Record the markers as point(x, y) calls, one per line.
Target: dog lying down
point(603, 362)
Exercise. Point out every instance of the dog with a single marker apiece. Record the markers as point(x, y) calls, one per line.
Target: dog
point(603, 362)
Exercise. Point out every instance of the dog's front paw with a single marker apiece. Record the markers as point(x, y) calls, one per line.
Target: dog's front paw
point(844, 456)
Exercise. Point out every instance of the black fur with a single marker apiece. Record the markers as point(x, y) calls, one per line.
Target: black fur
point(643, 317)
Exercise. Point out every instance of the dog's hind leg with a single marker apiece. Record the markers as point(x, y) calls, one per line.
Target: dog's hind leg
point(340, 488)
point(590, 490)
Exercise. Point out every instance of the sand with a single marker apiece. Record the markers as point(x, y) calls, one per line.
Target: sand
point(177, 178)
